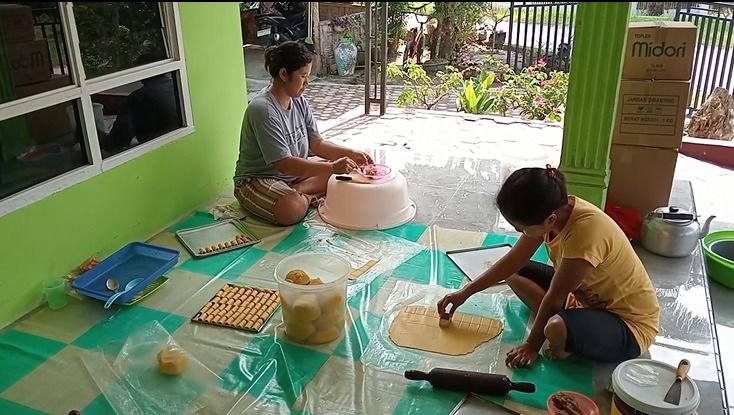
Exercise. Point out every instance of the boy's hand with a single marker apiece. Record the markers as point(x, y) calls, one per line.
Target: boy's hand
point(455, 299)
point(521, 356)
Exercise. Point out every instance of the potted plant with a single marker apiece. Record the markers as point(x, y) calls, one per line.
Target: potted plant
point(339, 24)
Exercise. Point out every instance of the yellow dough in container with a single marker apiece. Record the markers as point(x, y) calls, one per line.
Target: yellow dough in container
point(299, 330)
point(324, 336)
point(172, 360)
point(327, 320)
point(297, 276)
point(332, 301)
point(306, 307)
point(283, 303)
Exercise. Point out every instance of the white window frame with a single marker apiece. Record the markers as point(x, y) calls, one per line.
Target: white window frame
point(82, 90)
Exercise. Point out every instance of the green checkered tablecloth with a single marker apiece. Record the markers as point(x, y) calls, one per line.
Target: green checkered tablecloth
point(80, 358)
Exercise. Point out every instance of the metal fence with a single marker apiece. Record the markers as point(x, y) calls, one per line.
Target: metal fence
point(544, 30)
point(540, 30)
point(48, 21)
point(714, 57)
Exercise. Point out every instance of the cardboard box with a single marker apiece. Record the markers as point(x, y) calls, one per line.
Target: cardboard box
point(16, 23)
point(29, 62)
point(56, 82)
point(660, 50)
point(642, 177)
point(49, 123)
point(651, 113)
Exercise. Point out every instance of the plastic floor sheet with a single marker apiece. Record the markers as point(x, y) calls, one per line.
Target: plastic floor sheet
point(104, 361)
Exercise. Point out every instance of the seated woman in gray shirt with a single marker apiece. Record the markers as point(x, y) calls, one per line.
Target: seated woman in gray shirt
point(275, 179)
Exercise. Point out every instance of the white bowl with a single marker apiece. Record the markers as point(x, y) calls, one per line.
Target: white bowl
point(363, 204)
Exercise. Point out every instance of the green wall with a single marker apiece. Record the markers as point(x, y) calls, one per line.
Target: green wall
point(137, 199)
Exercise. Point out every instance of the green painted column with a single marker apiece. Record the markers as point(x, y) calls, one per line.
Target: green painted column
point(596, 68)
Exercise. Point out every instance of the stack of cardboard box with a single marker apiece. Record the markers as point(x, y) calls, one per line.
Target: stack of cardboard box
point(31, 72)
point(28, 58)
point(650, 113)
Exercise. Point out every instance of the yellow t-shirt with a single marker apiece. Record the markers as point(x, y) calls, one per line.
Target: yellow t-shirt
point(619, 282)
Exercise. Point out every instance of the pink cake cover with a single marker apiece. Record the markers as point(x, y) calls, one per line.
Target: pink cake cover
point(368, 204)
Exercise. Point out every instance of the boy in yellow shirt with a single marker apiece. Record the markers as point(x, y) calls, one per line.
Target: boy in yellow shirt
point(596, 301)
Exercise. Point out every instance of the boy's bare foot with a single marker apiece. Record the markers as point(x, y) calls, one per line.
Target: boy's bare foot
point(552, 354)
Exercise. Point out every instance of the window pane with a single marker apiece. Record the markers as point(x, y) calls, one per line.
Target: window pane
point(39, 146)
point(137, 113)
point(114, 36)
point(34, 48)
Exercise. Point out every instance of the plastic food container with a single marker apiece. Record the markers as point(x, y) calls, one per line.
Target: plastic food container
point(314, 314)
point(640, 386)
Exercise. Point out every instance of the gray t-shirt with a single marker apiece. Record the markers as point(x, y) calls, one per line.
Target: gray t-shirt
point(271, 133)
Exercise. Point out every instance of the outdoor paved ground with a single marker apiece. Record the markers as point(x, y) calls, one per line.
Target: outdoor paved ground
point(329, 100)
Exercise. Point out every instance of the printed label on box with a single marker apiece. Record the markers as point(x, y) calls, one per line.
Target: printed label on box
point(651, 113)
point(661, 50)
point(655, 115)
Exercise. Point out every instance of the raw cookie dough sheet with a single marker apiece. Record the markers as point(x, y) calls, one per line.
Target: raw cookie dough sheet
point(417, 327)
point(396, 347)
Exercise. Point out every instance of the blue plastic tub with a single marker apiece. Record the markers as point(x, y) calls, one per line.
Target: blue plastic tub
point(135, 260)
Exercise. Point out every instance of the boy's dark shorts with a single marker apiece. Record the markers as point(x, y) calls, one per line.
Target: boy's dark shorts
point(594, 334)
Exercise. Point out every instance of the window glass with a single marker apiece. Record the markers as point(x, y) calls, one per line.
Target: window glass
point(136, 113)
point(114, 36)
point(34, 50)
point(40, 145)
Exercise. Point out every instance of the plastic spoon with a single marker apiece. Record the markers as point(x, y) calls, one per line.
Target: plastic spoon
point(112, 284)
point(130, 285)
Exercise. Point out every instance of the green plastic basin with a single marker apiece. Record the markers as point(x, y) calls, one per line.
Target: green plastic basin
point(719, 268)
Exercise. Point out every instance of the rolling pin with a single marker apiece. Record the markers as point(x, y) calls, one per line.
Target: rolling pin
point(466, 381)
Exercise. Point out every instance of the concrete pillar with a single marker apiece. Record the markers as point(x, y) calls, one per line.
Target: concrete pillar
point(596, 67)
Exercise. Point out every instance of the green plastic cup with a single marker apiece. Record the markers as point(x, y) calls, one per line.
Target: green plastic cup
point(55, 291)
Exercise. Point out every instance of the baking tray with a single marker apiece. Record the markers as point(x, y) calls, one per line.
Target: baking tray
point(215, 233)
point(473, 404)
point(238, 300)
point(473, 262)
point(134, 260)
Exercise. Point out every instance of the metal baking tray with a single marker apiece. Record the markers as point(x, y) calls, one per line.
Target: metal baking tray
point(197, 317)
point(473, 404)
point(213, 234)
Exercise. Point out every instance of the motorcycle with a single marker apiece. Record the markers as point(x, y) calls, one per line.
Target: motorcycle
point(560, 60)
point(290, 23)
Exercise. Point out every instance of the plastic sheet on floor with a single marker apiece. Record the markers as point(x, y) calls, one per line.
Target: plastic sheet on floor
point(383, 354)
point(238, 372)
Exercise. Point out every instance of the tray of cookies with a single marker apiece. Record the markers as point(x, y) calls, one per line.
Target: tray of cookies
point(239, 307)
point(216, 238)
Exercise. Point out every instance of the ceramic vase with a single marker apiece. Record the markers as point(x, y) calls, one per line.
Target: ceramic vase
point(345, 55)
